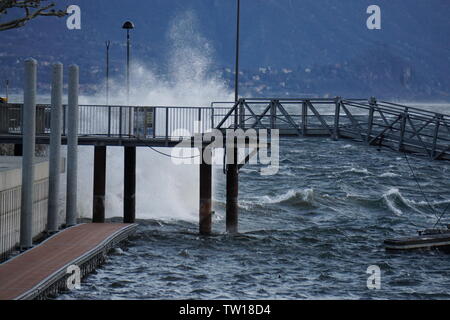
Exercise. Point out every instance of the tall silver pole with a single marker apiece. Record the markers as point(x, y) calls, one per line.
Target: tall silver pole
point(29, 135)
point(55, 149)
point(108, 44)
point(236, 75)
point(72, 147)
point(128, 67)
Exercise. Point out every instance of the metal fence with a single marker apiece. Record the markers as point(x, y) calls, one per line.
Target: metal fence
point(10, 216)
point(118, 121)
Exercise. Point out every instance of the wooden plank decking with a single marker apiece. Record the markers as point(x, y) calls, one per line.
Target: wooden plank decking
point(33, 272)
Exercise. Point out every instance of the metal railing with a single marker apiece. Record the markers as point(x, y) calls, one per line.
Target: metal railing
point(403, 128)
point(375, 122)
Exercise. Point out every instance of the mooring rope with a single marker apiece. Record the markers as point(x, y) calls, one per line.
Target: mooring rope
point(162, 153)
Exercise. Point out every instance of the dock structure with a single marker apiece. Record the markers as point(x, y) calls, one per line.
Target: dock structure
point(369, 121)
point(30, 208)
point(44, 270)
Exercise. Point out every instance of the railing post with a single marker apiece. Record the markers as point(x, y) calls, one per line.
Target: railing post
point(436, 135)
point(402, 130)
point(55, 149)
point(64, 108)
point(241, 113)
point(98, 213)
point(304, 118)
point(29, 135)
point(130, 121)
point(372, 103)
point(109, 121)
point(212, 118)
point(273, 113)
point(167, 126)
point(205, 214)
point(199, 119)
point(72, 147)
point(337, 115)
point(120, 121)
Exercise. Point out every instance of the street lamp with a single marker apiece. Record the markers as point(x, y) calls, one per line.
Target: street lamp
point(128, 25)
point(236, 76)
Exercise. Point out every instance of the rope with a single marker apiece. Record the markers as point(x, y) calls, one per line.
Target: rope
point(420, 187)
point(162, 153)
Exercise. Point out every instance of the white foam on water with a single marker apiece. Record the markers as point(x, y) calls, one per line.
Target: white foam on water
point(164, 190)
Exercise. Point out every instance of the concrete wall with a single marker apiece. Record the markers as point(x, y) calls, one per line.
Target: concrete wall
point(10, 194)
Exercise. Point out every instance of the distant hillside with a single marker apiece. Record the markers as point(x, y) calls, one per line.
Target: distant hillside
point(289, 47)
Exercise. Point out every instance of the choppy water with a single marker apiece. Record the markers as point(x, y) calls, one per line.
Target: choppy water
point(309, 232)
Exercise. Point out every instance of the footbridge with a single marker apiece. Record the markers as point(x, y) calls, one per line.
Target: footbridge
point(380, 123)
point(369, 121)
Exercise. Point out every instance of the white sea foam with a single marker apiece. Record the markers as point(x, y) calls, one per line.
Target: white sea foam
point(164, 190)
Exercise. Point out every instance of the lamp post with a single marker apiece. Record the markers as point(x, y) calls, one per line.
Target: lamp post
point(232, 172)
point(128, 25)
point(236, 76)
point(108, 44)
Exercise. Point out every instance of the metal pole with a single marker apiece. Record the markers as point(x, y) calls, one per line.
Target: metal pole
point(29, 135)
point(337, 116)
point(232, 210)
point(236, 76)
point(435, 136)
point(128, 66)
point(72, 147)
point(108, 43)
point(7, 91)
point(55, 149)
point(304, 119)
point(205, 214)
point(129, 201)
point(98, 214)
point(402, 131)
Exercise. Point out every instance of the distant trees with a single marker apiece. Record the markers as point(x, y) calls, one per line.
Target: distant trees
point(24, 11)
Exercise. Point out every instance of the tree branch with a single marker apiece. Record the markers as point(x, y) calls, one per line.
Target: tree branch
point(32, 9)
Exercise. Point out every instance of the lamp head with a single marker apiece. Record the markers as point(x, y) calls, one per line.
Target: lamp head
point(128, 25)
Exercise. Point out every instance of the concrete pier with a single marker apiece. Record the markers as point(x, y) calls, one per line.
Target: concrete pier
point(129, 201)
point(29, 135)
point(55, 149)
point(72, 147)
point(205, 214)
point(98, 214)
point(232, 209)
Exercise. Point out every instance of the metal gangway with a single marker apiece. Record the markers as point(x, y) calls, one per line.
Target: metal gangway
point(381, 123)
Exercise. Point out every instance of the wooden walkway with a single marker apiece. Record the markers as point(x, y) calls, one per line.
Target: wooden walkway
point(43, 269)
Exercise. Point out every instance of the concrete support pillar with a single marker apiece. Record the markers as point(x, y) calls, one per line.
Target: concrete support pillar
point(129, 200)
point(205, 214)
point(72, 147)
point(232, 210)
point(55, 149)
point(29, 135)
point(98, 214)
